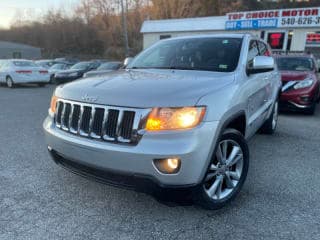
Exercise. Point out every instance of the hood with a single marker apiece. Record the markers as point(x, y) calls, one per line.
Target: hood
point(146, 88)
point(294, 75)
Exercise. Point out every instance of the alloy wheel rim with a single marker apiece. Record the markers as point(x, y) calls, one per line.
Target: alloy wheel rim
point(9, 82)
point(225, 170)
point(275, 116)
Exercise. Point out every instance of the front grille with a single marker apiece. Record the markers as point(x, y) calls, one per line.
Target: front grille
point(105, 123)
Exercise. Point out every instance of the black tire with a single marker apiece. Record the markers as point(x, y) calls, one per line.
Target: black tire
point(201, 195)
point(52, 80)
point(9, 82)
point(311, 111)
point(270, 125)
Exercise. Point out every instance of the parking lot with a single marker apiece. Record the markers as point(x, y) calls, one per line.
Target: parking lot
point(39, 200)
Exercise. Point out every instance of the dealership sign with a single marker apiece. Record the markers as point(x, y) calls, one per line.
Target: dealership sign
point(283, 18)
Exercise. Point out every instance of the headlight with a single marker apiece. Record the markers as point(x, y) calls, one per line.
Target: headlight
point(53, 104)
point(304, 83)
point(174, 118)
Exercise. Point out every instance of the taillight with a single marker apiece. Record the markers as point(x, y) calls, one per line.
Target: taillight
point(23, 71)
point(43, 72)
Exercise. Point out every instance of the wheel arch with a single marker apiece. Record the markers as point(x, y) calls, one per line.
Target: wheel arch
point(237, 121)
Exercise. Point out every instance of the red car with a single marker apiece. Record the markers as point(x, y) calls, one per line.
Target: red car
point(300, 82)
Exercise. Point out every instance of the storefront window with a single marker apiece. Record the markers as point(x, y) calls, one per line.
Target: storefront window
point(276, 40)
point(313, 38)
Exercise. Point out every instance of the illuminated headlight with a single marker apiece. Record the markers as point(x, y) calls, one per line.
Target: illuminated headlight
point(175, 118)
point(304, 83)
point(73, 74)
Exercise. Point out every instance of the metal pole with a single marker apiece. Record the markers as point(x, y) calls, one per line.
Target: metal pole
point(124, 28)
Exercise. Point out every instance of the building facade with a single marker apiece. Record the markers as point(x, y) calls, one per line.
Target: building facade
point(284, 29)
point(9, 50)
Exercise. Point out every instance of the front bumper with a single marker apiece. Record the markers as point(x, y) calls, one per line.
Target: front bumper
point(194, 147)
point(299, 99)
point(63, 79)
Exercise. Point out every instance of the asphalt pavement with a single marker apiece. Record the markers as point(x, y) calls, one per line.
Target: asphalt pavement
point(39, 200)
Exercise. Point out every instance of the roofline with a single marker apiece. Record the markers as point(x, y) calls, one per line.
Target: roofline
point(21, 44)
point(217, 35)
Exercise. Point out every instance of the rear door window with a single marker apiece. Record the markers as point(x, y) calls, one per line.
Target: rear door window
point(263, 49)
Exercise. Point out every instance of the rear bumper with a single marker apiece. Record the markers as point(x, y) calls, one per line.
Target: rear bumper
point(194, 148)
point(18, 79)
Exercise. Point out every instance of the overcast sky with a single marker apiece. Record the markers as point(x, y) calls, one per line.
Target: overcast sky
point(10, 8)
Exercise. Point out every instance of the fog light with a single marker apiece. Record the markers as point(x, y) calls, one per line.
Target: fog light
point(168, 165)
point(305, 99)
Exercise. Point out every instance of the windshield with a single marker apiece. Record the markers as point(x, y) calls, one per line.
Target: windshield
point(109, 66)
point(208, 54)
point(24, 64)
point(82, 65)
point(295, 64)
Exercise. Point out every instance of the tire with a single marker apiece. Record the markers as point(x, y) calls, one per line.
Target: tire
point(52, 81)
point(270, 125)
point(9, 82)
point(225, 177)
point(311, 110)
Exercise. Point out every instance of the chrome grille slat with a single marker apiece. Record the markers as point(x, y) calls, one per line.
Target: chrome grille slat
point(74, 126)
point(65, 116)
point(93, 111)
point(58, 115)
point(80, 119)
point(62, 116)
point(70, 116)
point(119, 123)
point(98, 122)
point(85, 123)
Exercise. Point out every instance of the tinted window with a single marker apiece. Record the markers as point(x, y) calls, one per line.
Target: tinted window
point(58, 66)
point(207, 54)
point(82, 65)
point(253, 52)
point(109, 66)
point(295, 64)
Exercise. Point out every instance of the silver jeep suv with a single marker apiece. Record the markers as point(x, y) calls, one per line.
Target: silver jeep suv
point(177, 118)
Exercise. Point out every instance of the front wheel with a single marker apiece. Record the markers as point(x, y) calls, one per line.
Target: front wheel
point(312, 109)
point(226, 173)
point(270, 125)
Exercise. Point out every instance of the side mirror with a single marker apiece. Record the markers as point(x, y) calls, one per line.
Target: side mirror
point(127, 61)
point(262, 64)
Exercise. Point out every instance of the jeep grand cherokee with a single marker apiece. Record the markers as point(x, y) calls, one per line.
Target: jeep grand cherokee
point(178, 117)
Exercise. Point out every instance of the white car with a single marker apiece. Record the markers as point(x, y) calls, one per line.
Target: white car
point(13, 72)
